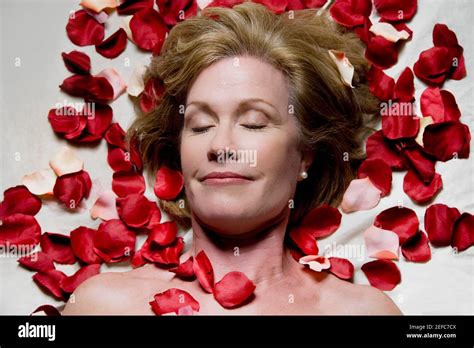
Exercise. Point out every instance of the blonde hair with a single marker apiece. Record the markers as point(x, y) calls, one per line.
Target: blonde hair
point(333, 119)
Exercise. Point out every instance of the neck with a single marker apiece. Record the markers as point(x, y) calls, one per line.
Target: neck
point(259, 254)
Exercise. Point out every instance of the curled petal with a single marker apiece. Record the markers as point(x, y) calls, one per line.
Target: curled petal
point(463, 232)
point(404, 89)
point(381, 244)
point(396, 10)
point(83, 29)
point(403, 221)
point(148, 29)
point(168, 184)
point(163, 255)
point(380, 84)
point(93, 88)
point(38, 261)
point(433, 65)
point(48, 310)
point(115, 135)
point(419, 191)
point(203, 270)
point(50, 281)
point(113, 241)
point(382, 274)
point(389, 32)
point(70, 189)
point(82, 244)
point(69, 284)
point(18, 200)
point(447, 140)
point(185, 269)
point(58, 246)
point(40, 182)
point(439, 220)
point(67, 121)
point(233, 289)
point(114, 45)
point(172, 300)
point(126, 183)
point(350, 13)
point(440, 105)
point(77, 62)
point(417, 249)
point(378, 172)
point(315, 262)
point(134, 210)
point(377, 146)
point(361, 194)
point(20, 229)
point(136, 84)
point(66, 162)
point(344, 66)
point(341, 268)
point(104, 207)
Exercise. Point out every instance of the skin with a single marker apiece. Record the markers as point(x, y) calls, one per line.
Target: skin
point(240, 226)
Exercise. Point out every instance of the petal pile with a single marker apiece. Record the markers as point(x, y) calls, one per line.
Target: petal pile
point(172, 300)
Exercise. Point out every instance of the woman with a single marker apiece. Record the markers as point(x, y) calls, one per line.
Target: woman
point(248, 83)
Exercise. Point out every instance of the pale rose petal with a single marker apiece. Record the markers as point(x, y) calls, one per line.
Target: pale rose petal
point(346, 70)
point(100, 17)
point(315, 262)
point(66, 162)
point(136, 83)
point(361, 194)
point(126, 26)
point(98, 5)
point(389, 32)
point(381, 244)
point(115, 80)
point(203, 3)
point(104, 206)
point(40, 182)
point(424, 122)
point(188, 310)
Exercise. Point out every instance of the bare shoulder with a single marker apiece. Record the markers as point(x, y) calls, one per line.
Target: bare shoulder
point(111, 293)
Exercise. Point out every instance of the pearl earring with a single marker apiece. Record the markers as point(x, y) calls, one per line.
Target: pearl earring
point(303, 175)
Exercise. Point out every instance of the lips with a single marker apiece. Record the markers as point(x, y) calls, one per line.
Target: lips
point(224, 175)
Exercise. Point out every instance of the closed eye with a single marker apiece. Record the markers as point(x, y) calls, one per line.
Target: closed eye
point(253, 126)
point(201, 129)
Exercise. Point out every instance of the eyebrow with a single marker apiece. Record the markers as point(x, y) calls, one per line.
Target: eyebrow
point(243, 105)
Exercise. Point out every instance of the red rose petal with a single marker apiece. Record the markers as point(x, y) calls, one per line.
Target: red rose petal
point(130, 7)
point(100, 120)
point(50, 281)
point(381, 52)
point(67, 121)
point(321, 221)
point(380, 84)
point(82, 244)
point(19, 200)
point(377, 146)
point(174, 11)
point(151, 94)
point(403, 221)
point(463, 232)
point(400, 126)
point(119, 160)
point(70, 189)
point(164, 233)
point(396, 10)
point(203, 270)
point(172, 300)
point(20, 229)
point(148, 29)
point(404, 89)
point(440, 105)
point(423, 165)
point(304, 241)
point(350, 13)
point(444, 37)
point(341, 268)
point(379, 172)
point(447, 140)
point(83, 29)
point(113, 241)
point(48, 310)
point(276, 6)
point(115, 135)
point(58, 246)
point(77, 62)
point(38, 261)
point(168, 184)
point(163, 255)
point(126, 183)
point(134, 210)
point(69, 284)
point(233, 289)
point(93, 88)
point(155, 217)
point(185, 269)
point(417, 249)
point(433, 65)
point(114, 45)
point(419, 191)
point(382, 274)
point(439, 221)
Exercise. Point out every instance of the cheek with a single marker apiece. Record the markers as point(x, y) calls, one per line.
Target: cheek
point(192, 153)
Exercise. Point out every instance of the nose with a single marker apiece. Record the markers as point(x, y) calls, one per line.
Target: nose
point(221, 141)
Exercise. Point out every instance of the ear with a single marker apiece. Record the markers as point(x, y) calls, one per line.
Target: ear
point(306, 161)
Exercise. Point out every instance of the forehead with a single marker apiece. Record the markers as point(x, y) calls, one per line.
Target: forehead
point(234, 78)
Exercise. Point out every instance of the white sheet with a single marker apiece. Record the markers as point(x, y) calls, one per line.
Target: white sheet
point(34, 32)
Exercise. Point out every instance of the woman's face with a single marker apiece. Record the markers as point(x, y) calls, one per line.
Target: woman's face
point(237, 122)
